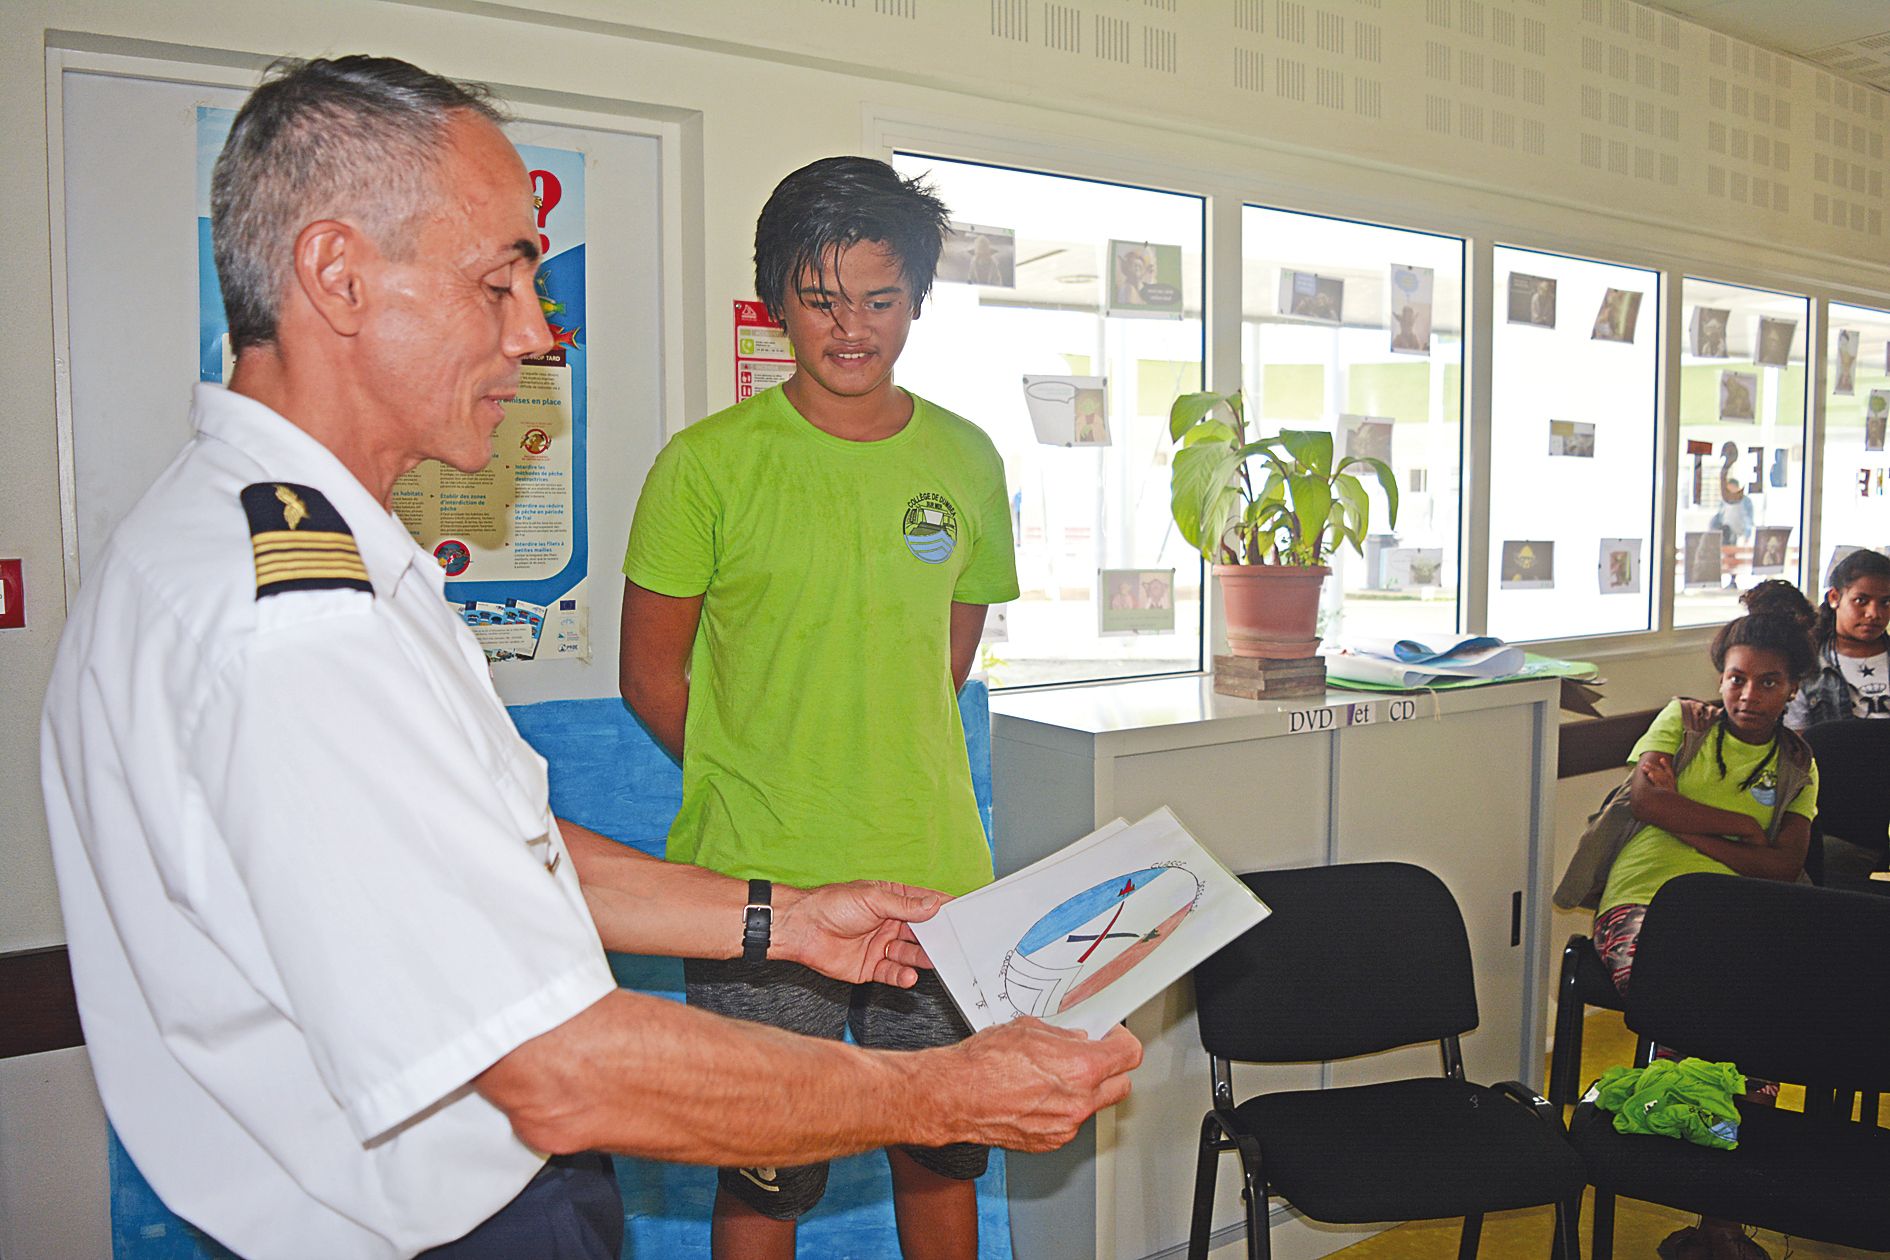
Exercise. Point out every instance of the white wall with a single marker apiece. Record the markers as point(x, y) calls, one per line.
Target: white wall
point(1471, 115)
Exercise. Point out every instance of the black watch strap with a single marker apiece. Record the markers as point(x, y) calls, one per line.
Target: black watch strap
point(757, 921)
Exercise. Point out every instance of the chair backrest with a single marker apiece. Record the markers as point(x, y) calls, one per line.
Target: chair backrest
point(1355, 958)
point(1853, 765)
point(1787, 981)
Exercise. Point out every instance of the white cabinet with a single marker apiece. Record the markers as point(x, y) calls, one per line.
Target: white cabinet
point(1455, 781)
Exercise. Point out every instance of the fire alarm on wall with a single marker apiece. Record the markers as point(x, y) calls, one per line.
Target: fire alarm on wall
point(12, 596)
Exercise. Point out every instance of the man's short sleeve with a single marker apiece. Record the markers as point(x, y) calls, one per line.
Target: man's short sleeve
point(1663, 735)
point(673, 538)
point(391, 837)
point(991, 575)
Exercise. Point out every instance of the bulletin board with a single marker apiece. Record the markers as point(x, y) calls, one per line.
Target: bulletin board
point(132, 186)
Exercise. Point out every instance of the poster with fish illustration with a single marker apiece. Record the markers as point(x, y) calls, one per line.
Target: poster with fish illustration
point(516, 533)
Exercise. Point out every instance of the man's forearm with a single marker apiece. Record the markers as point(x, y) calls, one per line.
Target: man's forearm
point(654, 1078)
point(643, 905)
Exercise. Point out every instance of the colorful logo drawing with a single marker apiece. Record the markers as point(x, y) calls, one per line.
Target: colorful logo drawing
point(1096, 937)
point(454, 556)
point(931, 528)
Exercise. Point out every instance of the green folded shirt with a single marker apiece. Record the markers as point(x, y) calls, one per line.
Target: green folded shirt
point(1689, 1099)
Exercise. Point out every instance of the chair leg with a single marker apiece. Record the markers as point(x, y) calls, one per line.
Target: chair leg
point(1472, 1235)
point(1868, 1113)
point(1568, 1242)
point(1259, 1232)
point(1253, 1192)
point(1565, 1064)
point(1205, 1169)
point(1601, 1246)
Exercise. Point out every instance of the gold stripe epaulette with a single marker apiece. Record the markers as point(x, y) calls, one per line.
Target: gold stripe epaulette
point(301, 542)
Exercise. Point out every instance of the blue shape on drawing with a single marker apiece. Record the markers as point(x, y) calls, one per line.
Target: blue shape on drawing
point(1084, 906)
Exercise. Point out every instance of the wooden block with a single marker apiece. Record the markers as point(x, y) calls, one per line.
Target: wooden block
point(1254, 678)
point(1257, 667)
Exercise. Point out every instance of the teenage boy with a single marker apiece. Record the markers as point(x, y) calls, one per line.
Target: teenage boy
point(808, 575)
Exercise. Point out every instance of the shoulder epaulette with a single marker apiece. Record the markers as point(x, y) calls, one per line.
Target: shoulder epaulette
point(301, 542)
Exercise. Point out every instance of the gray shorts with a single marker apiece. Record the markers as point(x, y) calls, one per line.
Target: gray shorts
point(788, 995)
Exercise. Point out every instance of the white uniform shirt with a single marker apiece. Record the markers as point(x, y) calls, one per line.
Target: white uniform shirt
point(311, 882)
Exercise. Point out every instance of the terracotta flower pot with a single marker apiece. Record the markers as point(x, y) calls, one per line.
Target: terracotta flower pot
point(1272, 609)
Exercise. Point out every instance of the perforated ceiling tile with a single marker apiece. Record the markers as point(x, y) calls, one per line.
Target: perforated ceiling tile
point(1062, 27)
point(1627, 79)
point(1010, 19)
point(1866, 59)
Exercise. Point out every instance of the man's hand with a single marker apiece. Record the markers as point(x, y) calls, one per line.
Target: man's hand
point(855, 932)
point(1027, 1085)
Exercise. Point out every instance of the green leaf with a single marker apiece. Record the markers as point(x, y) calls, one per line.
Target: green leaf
point(1204, 494)
point(1209, 431)
point(1311, 448)
point(1356, 507)
point(1386, 479)
point(1268, 449)
point(1188, 410)
point(1312, 500)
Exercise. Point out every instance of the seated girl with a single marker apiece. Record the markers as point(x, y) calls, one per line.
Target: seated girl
point(1726, 788)
point(1852, 678)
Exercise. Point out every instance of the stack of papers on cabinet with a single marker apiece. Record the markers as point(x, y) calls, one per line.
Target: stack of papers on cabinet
point(1421, 663)
point(1085, 936)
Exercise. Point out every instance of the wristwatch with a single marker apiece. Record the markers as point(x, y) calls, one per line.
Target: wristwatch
point(757, 921)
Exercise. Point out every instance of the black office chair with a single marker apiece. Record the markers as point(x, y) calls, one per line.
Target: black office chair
point(1789, 983)
point(1357, 959)
point(1584, 982)
point(1853, 790)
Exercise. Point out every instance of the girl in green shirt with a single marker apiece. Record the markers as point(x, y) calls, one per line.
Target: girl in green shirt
point(1726, 788)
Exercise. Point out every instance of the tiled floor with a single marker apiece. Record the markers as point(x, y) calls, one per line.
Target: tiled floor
point(1638, 1227)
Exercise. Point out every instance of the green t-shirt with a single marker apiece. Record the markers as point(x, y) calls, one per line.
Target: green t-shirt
point(823, 740)
point(1655, 856)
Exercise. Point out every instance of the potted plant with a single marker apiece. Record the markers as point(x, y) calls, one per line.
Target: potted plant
point(1267, 537)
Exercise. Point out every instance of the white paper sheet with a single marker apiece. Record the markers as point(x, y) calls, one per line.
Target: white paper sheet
point(1085, 936)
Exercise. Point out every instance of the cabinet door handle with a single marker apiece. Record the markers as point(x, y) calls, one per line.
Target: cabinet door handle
point(1515, 918)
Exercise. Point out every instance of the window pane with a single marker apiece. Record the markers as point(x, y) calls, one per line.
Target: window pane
point(1358, 330)
point(1856, 509)
point(1742, 445)
point(1071, 279)
point(1574, 400)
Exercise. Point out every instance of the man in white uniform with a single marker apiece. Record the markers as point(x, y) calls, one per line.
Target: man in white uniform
point(341, 972)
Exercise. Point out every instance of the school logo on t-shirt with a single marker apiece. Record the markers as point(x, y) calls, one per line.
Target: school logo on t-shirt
point(931, 527)
point(1765, 787)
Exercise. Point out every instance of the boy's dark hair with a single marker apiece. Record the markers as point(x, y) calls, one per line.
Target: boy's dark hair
point(1778, 619)
point(841, 201)
point(1859, 564)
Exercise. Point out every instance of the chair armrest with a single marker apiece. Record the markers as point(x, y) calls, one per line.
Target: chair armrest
point(1545, 1110)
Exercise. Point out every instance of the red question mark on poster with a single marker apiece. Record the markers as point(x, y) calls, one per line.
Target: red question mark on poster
point(547, 192)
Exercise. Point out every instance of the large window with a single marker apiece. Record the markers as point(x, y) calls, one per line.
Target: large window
point(1358, 330)
point(1743, 396)
point(1573, 406)
point(1066, 319)
point(1855, 509)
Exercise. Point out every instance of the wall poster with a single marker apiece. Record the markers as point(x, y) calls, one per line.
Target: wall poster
point(513, 538)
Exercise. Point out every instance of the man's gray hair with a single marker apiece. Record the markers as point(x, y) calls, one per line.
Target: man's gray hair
point(355, 138)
